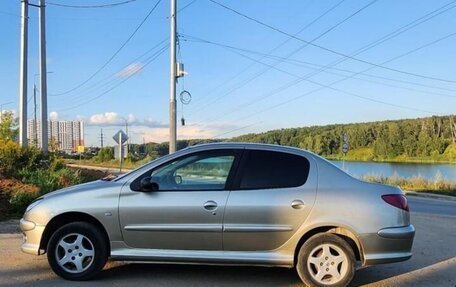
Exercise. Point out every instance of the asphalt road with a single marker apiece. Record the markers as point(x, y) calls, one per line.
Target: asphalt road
point(433, 262)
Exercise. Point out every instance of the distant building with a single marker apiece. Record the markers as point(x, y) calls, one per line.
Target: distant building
point(66, 135)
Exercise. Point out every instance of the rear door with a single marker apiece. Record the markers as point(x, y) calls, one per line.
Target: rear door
point(273, 195)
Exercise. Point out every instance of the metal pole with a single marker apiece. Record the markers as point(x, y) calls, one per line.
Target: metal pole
point(126, 131)
point(35, 124)
point(23, 75)
point(120, 152)
point(43, 77)
point(172, 83)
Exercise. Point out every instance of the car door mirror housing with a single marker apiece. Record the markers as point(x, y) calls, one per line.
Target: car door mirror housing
point(147, 185)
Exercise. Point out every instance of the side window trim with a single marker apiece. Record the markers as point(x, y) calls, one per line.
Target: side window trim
point(236, 183)
point(237, 153)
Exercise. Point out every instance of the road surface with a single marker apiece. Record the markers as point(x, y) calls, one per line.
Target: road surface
point(433, 262)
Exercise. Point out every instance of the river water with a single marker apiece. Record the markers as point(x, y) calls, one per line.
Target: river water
point(406, 170)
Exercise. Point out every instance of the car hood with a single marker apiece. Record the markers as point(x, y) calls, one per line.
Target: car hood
point(93, 185)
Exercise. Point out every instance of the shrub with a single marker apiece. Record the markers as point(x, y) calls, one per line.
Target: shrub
point(20, 199)
point(48, 180)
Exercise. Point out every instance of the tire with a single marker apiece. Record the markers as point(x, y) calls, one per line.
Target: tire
point(326, 260)
point(77, 251)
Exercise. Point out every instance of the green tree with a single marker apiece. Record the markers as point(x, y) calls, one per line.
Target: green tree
point(105, 154)
point(8, 126)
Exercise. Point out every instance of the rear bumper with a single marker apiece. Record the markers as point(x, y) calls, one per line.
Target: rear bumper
point(388, 245)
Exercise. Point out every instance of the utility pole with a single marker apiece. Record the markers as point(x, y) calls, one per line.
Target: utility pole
point(43, 77)
point(101, 138)
point(172, 83)
point(23, 75)
point(35, 123)
point(126, 131)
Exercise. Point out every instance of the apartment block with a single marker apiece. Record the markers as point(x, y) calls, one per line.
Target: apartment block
point(66, 135)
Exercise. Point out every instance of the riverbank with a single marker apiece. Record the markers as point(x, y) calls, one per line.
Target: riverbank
point(367, 155)
point(417, 184)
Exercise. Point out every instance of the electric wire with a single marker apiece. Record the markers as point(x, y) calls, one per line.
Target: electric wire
point(113, 77)
point(316, 19)
point(236, 129)
point(150, 60)
point(114, 55)
point(391, 35)
point(317, 67)
point(330, 86)
point(108, 5)
point(296, 50)
point(329, 49)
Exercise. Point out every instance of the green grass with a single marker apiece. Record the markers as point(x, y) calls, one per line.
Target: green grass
point(367, 154)
point(419, 184)
point(108, 164)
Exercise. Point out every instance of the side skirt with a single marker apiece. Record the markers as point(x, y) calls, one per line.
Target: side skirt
point(119, 251)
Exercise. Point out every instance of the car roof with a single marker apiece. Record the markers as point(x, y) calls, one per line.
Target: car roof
point(246, 145)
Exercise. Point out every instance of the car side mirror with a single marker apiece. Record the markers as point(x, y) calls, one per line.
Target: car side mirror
point(146, 184)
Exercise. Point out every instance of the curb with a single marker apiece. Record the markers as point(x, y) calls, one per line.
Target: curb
point(430, 195)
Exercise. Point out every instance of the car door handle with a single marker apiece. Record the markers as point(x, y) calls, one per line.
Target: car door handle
point(297, 204)
point(210, 205)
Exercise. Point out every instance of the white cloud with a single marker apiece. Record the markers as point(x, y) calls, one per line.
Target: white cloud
point(130, 70)
point(106, 119)
point(187, 132)
point(150, 130)
point(53, 116)
point(114, 119)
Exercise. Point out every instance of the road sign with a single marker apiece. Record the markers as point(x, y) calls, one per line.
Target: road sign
point(80, 148)
point(120, 137)
point(345, 148)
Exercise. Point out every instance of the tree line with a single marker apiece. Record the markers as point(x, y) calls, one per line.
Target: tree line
point(432, 138)
point(422, 139)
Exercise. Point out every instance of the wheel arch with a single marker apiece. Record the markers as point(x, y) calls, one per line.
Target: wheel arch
point(60, 220)
point(342, 232)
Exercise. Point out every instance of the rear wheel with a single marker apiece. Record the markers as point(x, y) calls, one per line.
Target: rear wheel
point(326, 260)
point(77, 251)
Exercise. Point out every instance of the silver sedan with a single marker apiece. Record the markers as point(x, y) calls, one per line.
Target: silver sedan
point(226, 203)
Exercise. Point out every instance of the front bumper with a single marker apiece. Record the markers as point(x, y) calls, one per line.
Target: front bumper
point(388, 245)
point(32, 234)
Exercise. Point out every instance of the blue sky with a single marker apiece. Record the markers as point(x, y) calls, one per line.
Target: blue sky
point(226, 102)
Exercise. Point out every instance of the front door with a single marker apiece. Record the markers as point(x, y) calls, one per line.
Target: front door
point(186, 212)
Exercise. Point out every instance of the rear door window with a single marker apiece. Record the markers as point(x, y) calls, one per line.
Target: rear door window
point(270, 169)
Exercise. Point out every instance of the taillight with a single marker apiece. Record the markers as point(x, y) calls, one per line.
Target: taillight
point(396, 200)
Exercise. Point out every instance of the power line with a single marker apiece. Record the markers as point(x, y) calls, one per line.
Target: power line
point(329, 86)
point(108, 5)
point(301, 47)
point(236, 129)
point(113, 77)
point(389, 36)
point(114, 55)
point(121, 82)
point(328, 49)
point(326, 12)
point(313, 66)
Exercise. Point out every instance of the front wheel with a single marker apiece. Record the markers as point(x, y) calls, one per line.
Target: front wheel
point(326, 260)
point(77, 251)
